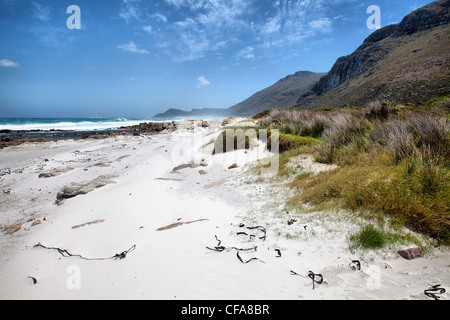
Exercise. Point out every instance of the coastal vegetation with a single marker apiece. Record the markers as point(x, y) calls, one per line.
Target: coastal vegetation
point(392, 161)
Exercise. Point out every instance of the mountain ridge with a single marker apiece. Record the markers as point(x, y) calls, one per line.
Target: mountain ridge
point(178, 113)
point(283, 94)
point(382, 49)
point(404, 63)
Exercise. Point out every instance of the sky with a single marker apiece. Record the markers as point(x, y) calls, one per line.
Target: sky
point(137, 58)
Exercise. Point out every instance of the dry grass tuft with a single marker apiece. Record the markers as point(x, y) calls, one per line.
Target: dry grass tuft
point(393, 161)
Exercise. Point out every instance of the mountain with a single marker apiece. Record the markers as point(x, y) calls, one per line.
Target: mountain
point(281, 95)
point(207, 112)
point(404, 63)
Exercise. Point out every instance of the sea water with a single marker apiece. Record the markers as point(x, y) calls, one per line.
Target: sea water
point(71, 124)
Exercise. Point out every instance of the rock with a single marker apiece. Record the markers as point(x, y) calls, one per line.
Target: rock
point(70, 192)
point(35, 223)
point(233, 166)
point(427, 17)
point(102, 164)
point(202, 172)
point(54, 173)
point(153, 127)
point(410, 253)
point(184, 166)
point(180, 167)
point(13, 228)
point(83, 188)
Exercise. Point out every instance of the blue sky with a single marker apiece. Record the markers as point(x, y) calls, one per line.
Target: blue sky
point(136, 58)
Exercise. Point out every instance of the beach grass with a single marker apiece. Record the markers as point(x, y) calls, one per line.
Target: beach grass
point(369, 237)
point(372, 236)
point(393, 162)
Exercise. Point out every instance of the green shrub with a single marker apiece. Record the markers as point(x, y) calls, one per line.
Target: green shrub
point(438, 101)
point(288, 142)
point(369, 238)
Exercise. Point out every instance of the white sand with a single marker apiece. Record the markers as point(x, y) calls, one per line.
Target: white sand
point(175, 263)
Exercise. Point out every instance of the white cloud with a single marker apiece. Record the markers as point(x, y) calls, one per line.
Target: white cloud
point(131, 47)
point(130, 10)
point(291, 22)
point(9, 63)
point(41, 12)
point(208, 27)
point(194, 4)
point(202, 82)
point(246, 53)
point(272, 25)
point(189, 41)
point(148, 29)
point(159, 17)
point(322, 25)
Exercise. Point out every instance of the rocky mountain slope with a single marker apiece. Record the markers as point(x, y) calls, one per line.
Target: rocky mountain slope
point(281, 95)
point(405, 63)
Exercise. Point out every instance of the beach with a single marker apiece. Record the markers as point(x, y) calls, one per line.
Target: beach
point(159, 217)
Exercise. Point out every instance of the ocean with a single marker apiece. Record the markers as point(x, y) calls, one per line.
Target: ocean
point(71, 124)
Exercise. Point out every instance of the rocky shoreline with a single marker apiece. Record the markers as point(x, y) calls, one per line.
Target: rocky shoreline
point(16, 137)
